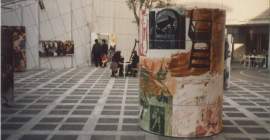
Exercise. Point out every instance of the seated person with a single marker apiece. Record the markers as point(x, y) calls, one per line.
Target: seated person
point(133, 65)
point(121, 66)
point(117, 63)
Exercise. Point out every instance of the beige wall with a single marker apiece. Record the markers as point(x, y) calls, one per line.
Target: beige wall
point(113, 16)
point(59, 22)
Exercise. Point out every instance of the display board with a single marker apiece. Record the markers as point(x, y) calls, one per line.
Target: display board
point(18, 42)
point(51, 48)
point(181, 71)
point(7, 65)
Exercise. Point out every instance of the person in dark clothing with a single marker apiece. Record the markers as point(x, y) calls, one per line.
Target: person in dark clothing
point(96, 53)
point(114, 65)
point(104, 47)
point(121, 66)
point(111, 52)
point(104, 55)
point(133, 64)
point(117, 63)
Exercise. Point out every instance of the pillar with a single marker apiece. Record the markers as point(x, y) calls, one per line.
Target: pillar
point(181, 74)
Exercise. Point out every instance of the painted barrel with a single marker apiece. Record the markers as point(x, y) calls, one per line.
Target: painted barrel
point(181, 71)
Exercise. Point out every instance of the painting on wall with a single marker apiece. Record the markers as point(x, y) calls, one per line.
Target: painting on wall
point(54, 48)
point(181, 94)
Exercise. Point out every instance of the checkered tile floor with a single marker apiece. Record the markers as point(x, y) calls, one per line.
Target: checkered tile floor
point(87, 104)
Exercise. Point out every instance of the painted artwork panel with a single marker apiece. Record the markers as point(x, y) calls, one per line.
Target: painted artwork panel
point(56, 48)
point(19, 48)
point(18, 43)
point(181, 92)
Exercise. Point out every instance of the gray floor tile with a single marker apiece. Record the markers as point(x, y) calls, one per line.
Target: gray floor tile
point(81, 112)
point(130, 128)
point(49, 127)
point(52, 119)
point(20, 119)
point(103, 137)
point(110, 112)
point(30, 112)
point(245, 122)
point(64, 137)
point(76, 120)
point(130, 120)
point(236, 115)
point(11, 126)
point(131, 113)
point(231, 130)
point(262, 115)
point(33, 137)
point(73, 127)
point(132, 137)
point(88, 107)
point(59, 112)
point(106, 127)
point(255, 130)
point(108, 120)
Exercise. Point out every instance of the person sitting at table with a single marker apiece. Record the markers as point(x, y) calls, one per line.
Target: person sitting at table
point(117, 63)
point(133, 65)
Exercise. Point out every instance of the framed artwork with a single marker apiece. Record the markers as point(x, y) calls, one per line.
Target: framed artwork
point(54, 48)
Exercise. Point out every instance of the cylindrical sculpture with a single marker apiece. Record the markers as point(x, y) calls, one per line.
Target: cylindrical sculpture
point(181, 71)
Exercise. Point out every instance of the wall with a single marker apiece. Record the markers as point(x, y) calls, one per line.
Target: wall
point(66, 20)
point(25, 15)
point(113, 16)
point(70, 19)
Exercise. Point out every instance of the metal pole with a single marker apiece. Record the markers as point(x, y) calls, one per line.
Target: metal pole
point(269, 48)
point(90, 31)
point(268, 66)
point(21, 8)
point(71, 32)
point(38, 10)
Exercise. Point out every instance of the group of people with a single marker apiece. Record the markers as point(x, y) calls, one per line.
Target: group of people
point(56, 48)
point(117, 64)
point(101, 55)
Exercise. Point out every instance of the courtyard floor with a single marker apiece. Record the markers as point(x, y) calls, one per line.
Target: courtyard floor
point(87, 104)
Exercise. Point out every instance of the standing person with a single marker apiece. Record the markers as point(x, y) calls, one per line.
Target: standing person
point(96, 52)
point(111, 52)
point(104, 55)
